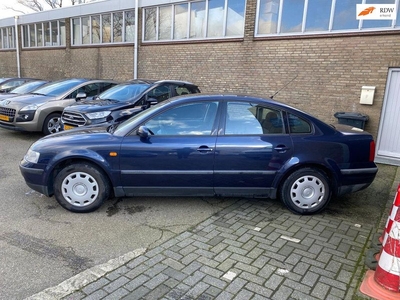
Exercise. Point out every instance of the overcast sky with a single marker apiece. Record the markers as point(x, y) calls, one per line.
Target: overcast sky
point(6, 13)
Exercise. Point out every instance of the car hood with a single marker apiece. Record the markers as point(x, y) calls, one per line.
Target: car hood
point(89, 106)
point(31, 98)
point(7, 95)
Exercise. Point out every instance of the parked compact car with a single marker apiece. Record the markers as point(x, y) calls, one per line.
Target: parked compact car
point(8, 84)
point(124, 100)
point(204, 145)
point(41, 110)
point(25, 88)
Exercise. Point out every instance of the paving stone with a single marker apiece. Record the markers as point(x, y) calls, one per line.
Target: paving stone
point(118, 294)
point(137, 282)
point(173, 273)
point(320, 290)
point(156, 281)
point(99, 294)
point(96, 285)
point(243, 294)
point(139, 293)
point(114, 285)
point(273, 282)
point(258, 289)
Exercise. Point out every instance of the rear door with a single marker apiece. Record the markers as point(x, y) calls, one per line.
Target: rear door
point(252, 149)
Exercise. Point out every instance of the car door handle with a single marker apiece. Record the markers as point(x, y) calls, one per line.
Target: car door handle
point(281, 148)
point(204, 149)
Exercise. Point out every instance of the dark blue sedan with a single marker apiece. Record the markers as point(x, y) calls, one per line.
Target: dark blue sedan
point(204, 145)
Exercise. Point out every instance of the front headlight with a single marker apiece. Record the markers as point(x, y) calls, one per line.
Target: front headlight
point(31, 107)
point(98, 115)
point(32, 156)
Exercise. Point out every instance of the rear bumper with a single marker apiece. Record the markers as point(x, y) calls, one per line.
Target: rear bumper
point(354, 180)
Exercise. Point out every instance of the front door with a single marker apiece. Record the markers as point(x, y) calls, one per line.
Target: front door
point(388, 143)
point(177, 158)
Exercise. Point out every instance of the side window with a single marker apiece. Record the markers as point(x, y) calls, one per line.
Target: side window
point(160, 93)
point(248, 118)
point(187, 119)
point(90, 90)
point(182, 90)
point(298, 125)
point(105, 86)
point(271, 121)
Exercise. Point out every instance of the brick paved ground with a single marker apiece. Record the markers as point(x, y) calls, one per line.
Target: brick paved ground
point(252, 250)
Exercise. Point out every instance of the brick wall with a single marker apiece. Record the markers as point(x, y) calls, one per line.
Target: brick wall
point(329, 71)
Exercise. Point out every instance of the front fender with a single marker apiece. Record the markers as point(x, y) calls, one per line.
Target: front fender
point(105, 162)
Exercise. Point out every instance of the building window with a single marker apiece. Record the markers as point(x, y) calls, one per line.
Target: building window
point(207, 19)
point(290, 17)
point(108, 28)
point(46, 34)
point(7, 38)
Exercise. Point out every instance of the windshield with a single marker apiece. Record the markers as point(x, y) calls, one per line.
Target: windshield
point(123, 92)
point(139, 118)
point(3, 79)
point(27, 87)
point(58, 88)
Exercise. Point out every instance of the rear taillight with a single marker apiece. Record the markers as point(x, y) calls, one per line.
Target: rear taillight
point(372, 150)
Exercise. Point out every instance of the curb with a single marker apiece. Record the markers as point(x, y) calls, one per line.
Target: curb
point(86, 277)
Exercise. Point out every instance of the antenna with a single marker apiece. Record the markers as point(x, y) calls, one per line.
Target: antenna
point(276, 93)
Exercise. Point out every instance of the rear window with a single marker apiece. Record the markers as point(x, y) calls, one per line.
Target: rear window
point(298, 125)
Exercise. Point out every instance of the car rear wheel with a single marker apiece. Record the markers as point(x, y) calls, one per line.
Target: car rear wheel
point(52, 124)
point(306, 191)
point(81, 187)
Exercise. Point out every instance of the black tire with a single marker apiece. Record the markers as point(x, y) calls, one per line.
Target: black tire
point(81, 188)
point(306, 191)
point(52, 124)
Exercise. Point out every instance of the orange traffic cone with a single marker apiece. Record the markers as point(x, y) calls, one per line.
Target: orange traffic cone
point(384, 283)
point(392, 214)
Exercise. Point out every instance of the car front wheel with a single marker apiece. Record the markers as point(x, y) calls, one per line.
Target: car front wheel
point(52, 124)
point(306, 191)
point(81, 187)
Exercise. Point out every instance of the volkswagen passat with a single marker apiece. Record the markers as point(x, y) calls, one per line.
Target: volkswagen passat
point(204, 145)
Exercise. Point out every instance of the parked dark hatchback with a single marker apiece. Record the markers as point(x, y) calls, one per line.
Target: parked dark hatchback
point(123, 101)
point(204, 145)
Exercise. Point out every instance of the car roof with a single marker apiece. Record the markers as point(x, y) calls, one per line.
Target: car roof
point(152, 81)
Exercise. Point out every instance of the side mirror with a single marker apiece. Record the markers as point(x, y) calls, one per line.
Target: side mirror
point(80, 96)
point(143, 132)
point(150, 102)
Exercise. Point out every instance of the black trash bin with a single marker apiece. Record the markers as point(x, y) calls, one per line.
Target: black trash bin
point(353, 119)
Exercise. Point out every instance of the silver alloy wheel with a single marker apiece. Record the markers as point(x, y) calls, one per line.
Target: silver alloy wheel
point(80, 189)
point(307, 191)
point(54, 124)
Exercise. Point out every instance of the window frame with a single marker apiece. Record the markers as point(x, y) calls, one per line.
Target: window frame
point(395, 24)
point(79, 41)
point(27, 38)
point(204, 35)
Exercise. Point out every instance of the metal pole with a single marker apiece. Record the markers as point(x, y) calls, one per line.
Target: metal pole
point(17, 45)
point(135, 58)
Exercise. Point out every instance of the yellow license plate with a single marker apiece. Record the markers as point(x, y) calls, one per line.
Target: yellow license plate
point(66, 127)
point(4, 118)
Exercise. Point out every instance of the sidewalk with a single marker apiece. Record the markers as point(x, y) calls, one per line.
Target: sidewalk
point(253, 249)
